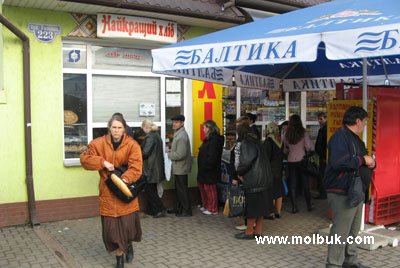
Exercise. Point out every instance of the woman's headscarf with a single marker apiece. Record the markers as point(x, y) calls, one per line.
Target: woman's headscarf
point(273, 133)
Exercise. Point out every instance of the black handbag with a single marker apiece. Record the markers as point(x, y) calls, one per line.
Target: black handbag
point(135, 187)
point(355, 192)
point(236, 201)
point(310, 164)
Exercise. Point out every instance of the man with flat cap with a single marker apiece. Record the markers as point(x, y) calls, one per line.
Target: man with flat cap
point(181, 157)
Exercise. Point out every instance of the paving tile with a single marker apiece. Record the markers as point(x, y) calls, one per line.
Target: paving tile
point(198, 241)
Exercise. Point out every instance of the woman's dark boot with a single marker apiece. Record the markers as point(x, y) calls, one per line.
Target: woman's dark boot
point(120, 261)
point(293, 200)
point(129, 253)
point(307, 196)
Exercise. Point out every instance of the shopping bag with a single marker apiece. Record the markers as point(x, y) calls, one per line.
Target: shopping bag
point(226, 208)
point(160, 189)
point(236, 201)
point(167, 167)
point(285, 187)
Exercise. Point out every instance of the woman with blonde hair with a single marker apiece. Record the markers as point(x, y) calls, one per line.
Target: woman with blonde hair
point(153, 166)
point(273, 146)
point(209, 167)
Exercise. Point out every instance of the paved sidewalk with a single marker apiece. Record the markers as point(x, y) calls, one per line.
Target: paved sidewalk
point(199, 241)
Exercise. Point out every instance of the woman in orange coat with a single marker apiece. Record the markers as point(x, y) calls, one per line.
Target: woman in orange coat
point(120, 221)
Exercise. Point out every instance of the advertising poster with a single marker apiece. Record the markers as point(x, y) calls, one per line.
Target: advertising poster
point(336, 109)
point(207, 105)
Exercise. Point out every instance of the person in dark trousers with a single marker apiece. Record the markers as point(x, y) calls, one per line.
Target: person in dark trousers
point(209, 167)
point(320, 150)
point(153, 166)
point(181, 157)
point(273, 147)
point(347, 155)
point(297, 143)
point(234, 162)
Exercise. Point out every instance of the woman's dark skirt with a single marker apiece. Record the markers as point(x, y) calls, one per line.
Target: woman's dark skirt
point(278, 189)
point(120, 231)
point(258, 204)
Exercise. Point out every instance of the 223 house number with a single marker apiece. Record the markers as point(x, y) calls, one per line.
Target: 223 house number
point(44, 32)
point(44, 35)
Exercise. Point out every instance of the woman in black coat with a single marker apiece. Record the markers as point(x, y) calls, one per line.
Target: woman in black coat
point(153, 166)
point(255, 172)
point(273, 146)
point(209, 167)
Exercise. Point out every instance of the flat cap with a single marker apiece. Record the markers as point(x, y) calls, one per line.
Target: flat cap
point(178, 117)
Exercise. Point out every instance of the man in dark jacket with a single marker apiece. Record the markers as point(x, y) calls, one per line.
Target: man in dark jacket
point(347, 156)
point(320, 150)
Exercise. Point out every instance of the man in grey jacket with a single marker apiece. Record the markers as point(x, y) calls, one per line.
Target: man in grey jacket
point(181, 157)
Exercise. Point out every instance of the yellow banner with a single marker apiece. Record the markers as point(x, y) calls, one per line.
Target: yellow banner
point(336, 110)
point(207, 105)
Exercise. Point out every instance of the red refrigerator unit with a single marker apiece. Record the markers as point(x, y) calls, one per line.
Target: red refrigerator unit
point(385, 187)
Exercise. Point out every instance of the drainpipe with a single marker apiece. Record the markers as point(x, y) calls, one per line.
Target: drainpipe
point(27, 118)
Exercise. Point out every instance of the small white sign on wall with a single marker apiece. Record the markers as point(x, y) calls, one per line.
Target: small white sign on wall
point(147, 109)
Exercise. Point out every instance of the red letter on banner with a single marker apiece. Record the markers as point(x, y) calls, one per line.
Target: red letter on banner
point(209, 89)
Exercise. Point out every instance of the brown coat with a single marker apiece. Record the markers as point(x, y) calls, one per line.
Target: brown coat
point(128, 152)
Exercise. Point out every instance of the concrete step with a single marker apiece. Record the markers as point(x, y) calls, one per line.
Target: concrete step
point(393, 236)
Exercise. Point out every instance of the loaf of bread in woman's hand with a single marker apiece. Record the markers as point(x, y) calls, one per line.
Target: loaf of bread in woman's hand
point(121, 185)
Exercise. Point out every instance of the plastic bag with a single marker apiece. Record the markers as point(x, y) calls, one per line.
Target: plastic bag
point(285, 187)
point(160, 189)
point(167, 167)
point(236, 201)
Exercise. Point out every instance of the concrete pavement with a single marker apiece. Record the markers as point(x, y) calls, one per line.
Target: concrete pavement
point(198, 241)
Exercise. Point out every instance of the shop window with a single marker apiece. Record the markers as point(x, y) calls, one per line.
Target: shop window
point(267, 105)
point(75, 118)
point(105, 81)
point(316, 102)
point(173, 105)
point(229, 116)
point(124, 94)
point(294, 103)
point(273, 107)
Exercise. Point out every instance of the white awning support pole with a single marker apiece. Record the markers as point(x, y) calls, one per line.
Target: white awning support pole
point(365, 106)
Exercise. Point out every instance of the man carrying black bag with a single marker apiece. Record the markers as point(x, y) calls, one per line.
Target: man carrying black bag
point(347, 160)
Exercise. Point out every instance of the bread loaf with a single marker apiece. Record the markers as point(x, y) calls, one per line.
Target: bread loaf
point(121, 185)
